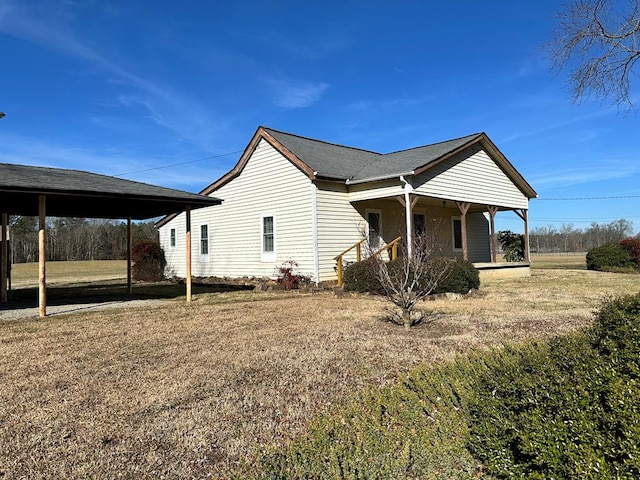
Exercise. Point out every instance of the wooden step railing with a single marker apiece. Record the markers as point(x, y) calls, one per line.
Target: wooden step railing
point(338, 258)
point(393, 245)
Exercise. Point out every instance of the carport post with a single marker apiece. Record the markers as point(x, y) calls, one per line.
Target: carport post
point(5, 260)
point(129, 287)
point(188, 251)
point(42, 257)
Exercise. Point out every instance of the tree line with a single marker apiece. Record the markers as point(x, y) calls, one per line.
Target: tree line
point(567, 238)
point(75, 238)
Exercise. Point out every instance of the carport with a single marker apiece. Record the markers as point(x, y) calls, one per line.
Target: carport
point(55, 192)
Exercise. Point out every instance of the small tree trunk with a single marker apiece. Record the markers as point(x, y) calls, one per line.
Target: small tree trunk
point(406, 318)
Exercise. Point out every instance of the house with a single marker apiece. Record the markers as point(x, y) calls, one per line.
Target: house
point(296, 198)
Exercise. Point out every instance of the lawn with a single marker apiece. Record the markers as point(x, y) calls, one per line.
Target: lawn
point(191, 391)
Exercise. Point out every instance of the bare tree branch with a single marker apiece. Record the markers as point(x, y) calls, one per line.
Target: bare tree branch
point(598, 41)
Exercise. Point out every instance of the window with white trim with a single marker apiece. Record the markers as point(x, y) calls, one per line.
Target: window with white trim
point(374, 228)
point(268, 237)
point(204, 242)
point(456, 227)
point(172, 237)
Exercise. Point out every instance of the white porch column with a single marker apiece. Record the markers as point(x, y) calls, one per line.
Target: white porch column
point(407, 212)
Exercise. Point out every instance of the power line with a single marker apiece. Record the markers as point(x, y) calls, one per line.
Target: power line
point(588, 198)
point(178, 164)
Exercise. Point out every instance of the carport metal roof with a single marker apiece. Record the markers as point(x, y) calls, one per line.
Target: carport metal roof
point(76, 193)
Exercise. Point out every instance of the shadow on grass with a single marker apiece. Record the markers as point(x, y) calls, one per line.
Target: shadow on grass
point(107, 292)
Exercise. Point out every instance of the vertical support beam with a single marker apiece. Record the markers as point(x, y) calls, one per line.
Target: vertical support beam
point(42, 257)
point(492, 231)
point(4, 274)
point(188, 251)
point(129, 233)
point(524, 215)
point(339, 270)
point(464, 208)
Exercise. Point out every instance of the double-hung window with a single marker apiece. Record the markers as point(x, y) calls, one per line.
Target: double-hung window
point(172, 239)
point(204, 243)
point(268, 235)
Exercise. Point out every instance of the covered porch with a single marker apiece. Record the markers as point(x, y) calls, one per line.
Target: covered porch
point(455, 228)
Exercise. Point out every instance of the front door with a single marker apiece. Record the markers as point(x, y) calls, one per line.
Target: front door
point(374, 228)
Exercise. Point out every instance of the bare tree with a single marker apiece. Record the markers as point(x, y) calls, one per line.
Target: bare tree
point(599, 41)
point(413, 277)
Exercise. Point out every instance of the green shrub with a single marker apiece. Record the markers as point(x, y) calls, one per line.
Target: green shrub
point(361, 277)
point(462, 278)
point(609, 255)
point(412, 429)
point(568, 408)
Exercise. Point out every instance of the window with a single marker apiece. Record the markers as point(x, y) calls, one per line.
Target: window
point(268, 234)
point(172, 241)
point(457, 233)
point(419, 224)
point(204, 243)
point(374, 228)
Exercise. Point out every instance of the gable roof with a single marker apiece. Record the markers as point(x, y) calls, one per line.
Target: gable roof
point(324, 160)
point(76, 193)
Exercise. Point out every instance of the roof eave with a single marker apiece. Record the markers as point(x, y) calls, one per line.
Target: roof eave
point(379, 178)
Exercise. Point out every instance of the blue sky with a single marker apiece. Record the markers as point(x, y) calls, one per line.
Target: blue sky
point(127, 87)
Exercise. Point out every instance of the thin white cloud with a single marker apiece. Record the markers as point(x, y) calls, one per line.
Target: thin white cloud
point(597, 171)
point(290, 93)
point(46, 27)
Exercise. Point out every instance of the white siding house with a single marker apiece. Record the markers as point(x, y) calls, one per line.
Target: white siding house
point(300, 199)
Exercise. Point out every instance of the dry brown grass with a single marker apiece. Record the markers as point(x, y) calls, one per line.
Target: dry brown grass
point(188, 391)
point(61, 273)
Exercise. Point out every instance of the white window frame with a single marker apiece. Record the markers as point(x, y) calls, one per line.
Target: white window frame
point(172, 238)
point(381, 241)
point(204, 257)
point(266, 256)
point(453, 234)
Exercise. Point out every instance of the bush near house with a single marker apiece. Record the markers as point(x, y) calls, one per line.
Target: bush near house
point(632, 245)
point(609, 256)
point(148, 260)
point(361, 276)
point(564, 408)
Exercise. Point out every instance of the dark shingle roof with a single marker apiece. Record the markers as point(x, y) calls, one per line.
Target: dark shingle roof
point(75, 193)
point(356, 165)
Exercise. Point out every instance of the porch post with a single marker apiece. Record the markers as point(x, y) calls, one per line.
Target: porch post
point(5, 259)
point(494, 246)
point(524, 215)
point(464, 208)
point(42, 257)
point(188, 251)
point(4, 256)
point(129, 284)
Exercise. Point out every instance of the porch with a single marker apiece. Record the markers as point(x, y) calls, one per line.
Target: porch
point(455, 228)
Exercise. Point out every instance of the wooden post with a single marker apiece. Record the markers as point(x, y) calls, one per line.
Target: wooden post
point(188, 251)
point(42, 257)
point(129, 283)
point(358, 252)
point(524, 215)
point(339, 265)
point(5, 260)
point(464, 208)
point(494, 244)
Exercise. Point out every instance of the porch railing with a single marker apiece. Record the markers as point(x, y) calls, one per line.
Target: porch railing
point(392, 245)
point(338, 258)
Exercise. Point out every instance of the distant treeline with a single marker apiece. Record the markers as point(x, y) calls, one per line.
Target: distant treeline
point(75, 238)
point(567, 238)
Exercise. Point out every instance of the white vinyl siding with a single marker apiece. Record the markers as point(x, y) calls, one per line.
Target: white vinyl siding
point(475, 179)
point(235, 227)
point(339, 226)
